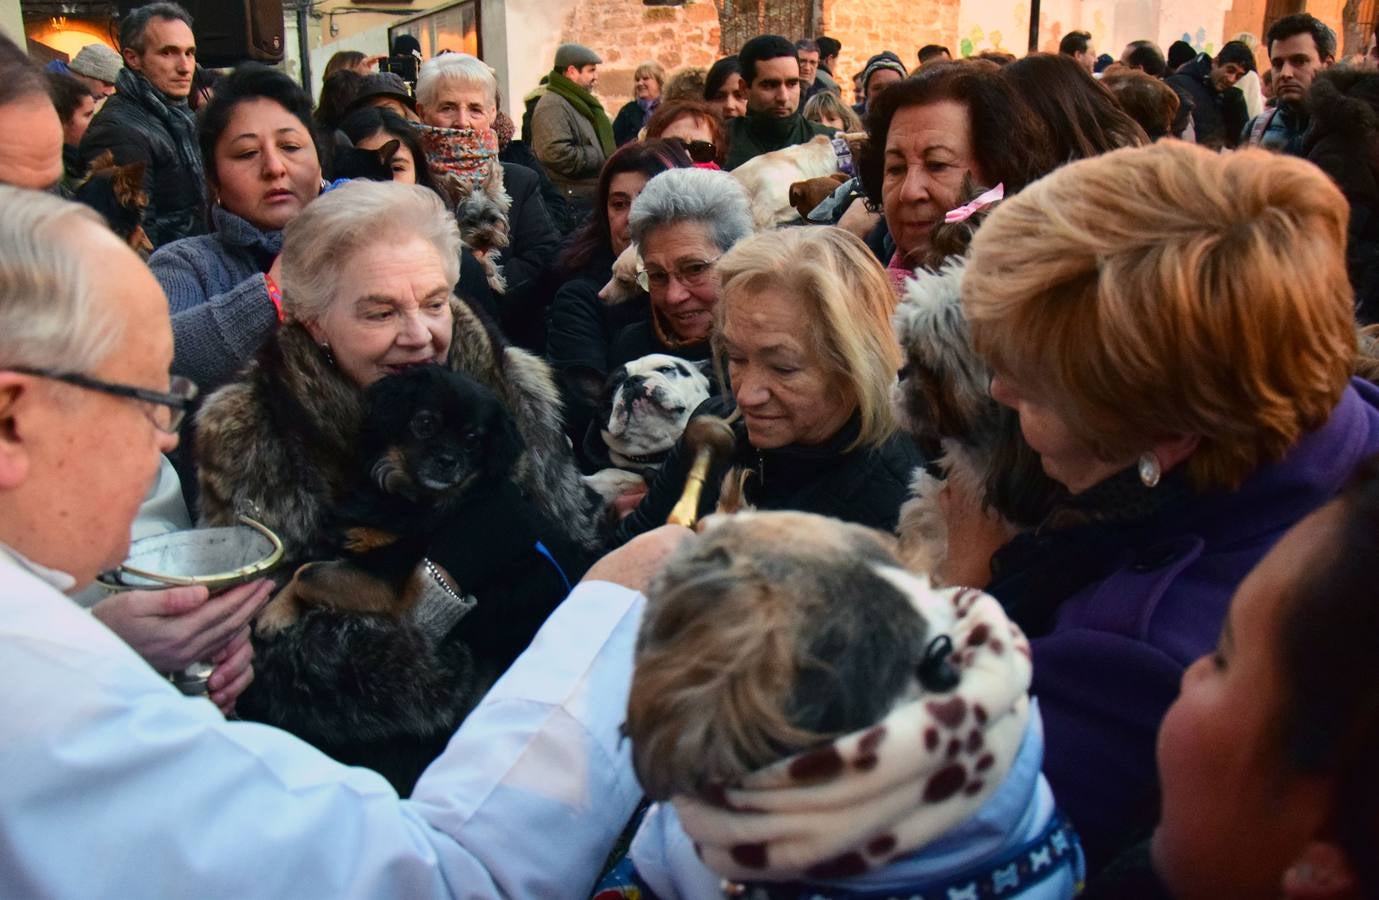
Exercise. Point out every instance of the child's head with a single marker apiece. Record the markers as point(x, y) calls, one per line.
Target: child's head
point(1267, 759)
point(766, 635)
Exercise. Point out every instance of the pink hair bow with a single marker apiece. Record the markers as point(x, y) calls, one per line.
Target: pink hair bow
point(967, 210)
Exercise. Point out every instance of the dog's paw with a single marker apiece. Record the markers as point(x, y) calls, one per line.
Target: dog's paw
point(279, 615)
point(612, 483)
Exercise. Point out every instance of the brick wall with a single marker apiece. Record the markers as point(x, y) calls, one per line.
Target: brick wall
point(626, 33)
point(901, 26)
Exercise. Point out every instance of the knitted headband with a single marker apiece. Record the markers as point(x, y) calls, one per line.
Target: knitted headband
point(865, 799)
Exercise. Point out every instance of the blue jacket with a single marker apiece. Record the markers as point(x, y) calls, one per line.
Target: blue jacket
point(1129, 607)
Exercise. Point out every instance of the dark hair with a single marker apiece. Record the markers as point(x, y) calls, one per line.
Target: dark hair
point(367, 121)
point(1074, 42)
point(1238, 53)
point(999, 58)
point(1082, 116)
point(667, 113)
point(1180, 53)
point(828, 46)
point(66, 93)
point(932, 51)
point(338, 91)
point(1330, 709)
point(1146, 99)
point(806, 45)
point(1010, 144)
point(1146, 56)
point(19, 77)
point(133, 26)
point(250, 81)
point(761, 48)
point(1303, 23)
point(719, 73)
point(343, 61)
point(650, 158)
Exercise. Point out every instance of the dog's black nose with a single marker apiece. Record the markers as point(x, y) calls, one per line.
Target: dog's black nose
point(634, 386)
point(445, 460)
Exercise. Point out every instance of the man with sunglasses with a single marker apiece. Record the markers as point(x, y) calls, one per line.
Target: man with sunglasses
point(118, 786)
point(771, 69)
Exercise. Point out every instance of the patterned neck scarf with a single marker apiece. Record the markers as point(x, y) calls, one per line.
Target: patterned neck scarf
point(460, 154)
point(865, 799)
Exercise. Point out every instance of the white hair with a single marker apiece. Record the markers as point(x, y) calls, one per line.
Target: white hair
point(715, 200)
point(52, 315)
point(342, 222)
point(455, 68)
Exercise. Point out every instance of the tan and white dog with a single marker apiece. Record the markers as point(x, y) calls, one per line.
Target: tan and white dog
point(768, 178)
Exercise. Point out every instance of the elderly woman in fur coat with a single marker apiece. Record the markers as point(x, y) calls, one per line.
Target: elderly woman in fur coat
point(367, 272)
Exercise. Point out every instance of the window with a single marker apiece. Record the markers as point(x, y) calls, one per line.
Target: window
point(454, 27)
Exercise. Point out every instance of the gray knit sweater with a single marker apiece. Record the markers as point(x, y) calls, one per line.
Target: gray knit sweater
point(219, 302)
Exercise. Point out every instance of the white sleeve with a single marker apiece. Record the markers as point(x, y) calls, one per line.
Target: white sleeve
point(114, 785)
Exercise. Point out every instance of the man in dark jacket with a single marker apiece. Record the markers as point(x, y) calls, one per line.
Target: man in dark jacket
point(149, 121)
point(771, 69)
point(1218, 107)
point(1301, 47)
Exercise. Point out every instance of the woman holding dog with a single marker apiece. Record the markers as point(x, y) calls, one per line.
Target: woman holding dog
point(361, 304)
point(262, 169)
point(1180, 356)
point(804, 325)
point(581, 326)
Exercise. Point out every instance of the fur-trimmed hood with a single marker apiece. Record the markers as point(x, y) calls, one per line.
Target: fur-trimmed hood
point(1343, 137)
point(279, 443)
point(1345, 102)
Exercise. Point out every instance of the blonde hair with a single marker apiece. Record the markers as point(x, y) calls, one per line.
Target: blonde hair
point(846, 297)
point(652, 68)
point(827, 103)
point(1200, 295)
point(349, 218)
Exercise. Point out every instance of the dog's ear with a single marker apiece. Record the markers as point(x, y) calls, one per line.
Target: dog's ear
point(388, 151)
point(504, 443)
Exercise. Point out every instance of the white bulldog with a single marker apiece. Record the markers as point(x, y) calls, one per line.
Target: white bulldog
point(646, 406)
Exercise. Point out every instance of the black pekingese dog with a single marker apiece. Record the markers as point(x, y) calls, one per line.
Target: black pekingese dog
point(430, 437)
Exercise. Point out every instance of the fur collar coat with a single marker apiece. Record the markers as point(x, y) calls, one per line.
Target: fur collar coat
point(278, 444)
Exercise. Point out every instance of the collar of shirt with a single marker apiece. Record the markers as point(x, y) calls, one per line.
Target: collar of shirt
point(59, 580)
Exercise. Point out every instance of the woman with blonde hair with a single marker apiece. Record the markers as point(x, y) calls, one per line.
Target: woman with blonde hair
point(648, 80)
point(802, 335)
point(1179, 354)
point(827, 108)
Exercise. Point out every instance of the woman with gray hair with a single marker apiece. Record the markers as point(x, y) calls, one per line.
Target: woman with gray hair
point(682, 222)
point(367, 274)
point(457, 100)
point(803, 330)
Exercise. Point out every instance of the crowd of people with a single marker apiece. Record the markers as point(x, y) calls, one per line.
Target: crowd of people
point(1037, 480)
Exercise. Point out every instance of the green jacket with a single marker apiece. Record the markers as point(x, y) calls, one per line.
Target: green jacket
point(751, 135)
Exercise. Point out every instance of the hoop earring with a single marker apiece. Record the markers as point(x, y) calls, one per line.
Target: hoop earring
point(1150, 471)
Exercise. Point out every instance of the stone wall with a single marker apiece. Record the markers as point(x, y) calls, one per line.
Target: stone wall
point(626, 33)
point(901, 26)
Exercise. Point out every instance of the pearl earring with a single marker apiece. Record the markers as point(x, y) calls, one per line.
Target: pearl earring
point(1150, 471)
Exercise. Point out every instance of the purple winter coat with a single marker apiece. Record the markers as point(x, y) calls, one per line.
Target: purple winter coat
point(1145, 600)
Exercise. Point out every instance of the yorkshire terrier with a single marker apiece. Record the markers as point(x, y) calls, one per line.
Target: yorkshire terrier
point(117, 193)
point(482, 214)
point(943, 399)
point(805, 710)
point(430, 437)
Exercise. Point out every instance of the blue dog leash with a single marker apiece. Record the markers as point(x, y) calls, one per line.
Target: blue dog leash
point(541, 548)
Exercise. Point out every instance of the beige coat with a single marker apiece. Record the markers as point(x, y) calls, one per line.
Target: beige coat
point(567, 145)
